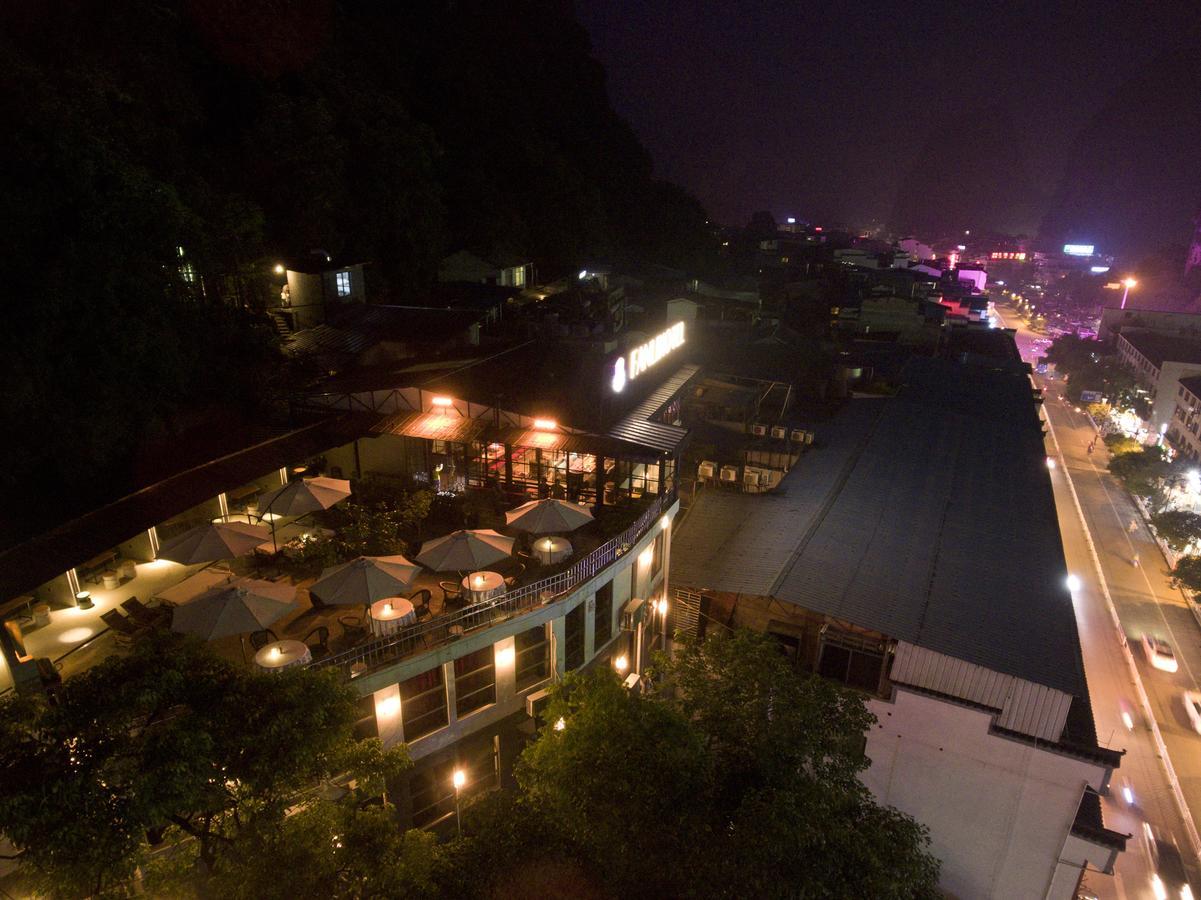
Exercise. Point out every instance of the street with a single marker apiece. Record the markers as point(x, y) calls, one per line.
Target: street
point(1095, 516)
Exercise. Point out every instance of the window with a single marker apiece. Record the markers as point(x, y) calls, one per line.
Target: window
point(475, 680)
point(342, 280)
point(423, 704)
point(365, 725)
point(657, 555)
point(604, 615)
point(853, 659)
point(532, 660)
point(432, 788)
point(574, 639)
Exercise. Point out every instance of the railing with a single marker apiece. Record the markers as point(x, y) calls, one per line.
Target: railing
point(436, 631)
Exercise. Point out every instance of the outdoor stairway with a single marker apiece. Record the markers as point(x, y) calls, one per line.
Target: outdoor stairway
point(282, 328)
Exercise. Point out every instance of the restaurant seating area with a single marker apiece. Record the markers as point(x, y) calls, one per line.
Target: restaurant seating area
point(434, 607)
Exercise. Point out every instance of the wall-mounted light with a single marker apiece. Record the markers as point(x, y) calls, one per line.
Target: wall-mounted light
point(442, 402)
point(459, 779)
point(646, 557)
point(545, 424)
point(505, 656)
point(665, 522)
point(661, 606)
point(622, 664)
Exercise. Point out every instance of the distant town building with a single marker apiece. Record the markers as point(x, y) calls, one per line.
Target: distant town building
point(1158, 361)
point(465, 266)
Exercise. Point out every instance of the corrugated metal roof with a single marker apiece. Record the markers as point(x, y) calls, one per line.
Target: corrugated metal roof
point(637, 425)
point(1022, 705)
point(936, 526)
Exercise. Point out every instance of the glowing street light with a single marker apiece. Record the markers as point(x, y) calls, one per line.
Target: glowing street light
point(458, 779)
point(1127, 284)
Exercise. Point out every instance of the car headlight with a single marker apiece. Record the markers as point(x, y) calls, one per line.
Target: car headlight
point(1186, 893)
point(1157, 886)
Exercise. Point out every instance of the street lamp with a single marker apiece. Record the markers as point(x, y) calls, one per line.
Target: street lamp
point(1127, 283)
point(459, 779)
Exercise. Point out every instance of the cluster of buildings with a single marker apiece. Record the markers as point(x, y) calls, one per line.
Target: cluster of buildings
point(830, 450)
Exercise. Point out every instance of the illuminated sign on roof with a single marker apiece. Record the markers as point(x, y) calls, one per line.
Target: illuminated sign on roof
point(1018, 256)
point(639, 359)
point(1078, 249)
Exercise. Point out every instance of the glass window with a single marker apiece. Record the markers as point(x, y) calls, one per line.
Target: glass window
point(574, 639)
point(604, 615)
point(343, 281)
point(533, 657)
point(657, 555)
point(432, 787)
point(423, 704)
point(475, 680)
point(854, 660)
point(365, 725)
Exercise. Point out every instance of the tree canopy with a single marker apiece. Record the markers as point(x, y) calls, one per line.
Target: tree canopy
point(737, 778)
point(174, 743)
point(1178, 527)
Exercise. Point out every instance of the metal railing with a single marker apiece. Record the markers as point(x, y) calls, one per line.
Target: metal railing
point(438, 630)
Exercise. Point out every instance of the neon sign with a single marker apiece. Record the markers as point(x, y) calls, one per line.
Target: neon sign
point(1078, 249)
point(639, 359)
point(1006, 254)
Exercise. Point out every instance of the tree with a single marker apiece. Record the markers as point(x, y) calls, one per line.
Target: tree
point(1187, 573)
point(786, 750)
point(1118, 443)
point(737, 777)
point(1179, 528)
point(624, 772)
point(1141, 473)
point(172, 741)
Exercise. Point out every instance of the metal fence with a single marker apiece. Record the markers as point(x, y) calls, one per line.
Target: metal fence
point(440, 629)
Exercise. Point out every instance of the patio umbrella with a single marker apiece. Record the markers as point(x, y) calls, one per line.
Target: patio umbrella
point(364, 580)
point(213, 541)
point(465, 551)
point(548, 516)
point(236, 608)
point(305, 495)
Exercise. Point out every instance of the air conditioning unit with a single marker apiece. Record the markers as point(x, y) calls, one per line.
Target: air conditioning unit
point(633, 683)
point(535, 703)
point(729, 474)
point(777, 431)
point(631, 615)
point(758, 430)
point(750, 480)
point(707, 470)
point(808, 437)
point(798, 436)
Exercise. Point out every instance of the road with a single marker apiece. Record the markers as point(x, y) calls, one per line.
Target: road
point(1100, 551)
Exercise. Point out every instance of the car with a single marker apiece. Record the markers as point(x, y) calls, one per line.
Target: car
point(1159, 653)
point(1192, 707)
point(1169, 881)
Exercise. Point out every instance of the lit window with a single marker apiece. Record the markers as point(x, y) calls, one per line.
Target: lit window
point(343, 282)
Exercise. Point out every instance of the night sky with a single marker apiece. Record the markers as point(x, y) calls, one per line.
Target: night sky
point(820, 110)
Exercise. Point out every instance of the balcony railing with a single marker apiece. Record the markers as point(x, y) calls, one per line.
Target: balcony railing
point(437, 630)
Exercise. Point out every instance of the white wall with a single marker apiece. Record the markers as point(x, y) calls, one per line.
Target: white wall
point(999, 810)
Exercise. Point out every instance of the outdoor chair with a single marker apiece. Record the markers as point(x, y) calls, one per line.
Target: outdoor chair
point(452, 592)
point(319, 649)
point(421, 600)
point(144, 615)
point(124, 629)
point(353, 629)
point(260, 639)
point(511, 581)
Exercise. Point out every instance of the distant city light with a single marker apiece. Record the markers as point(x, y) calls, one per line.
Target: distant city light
point(961, 247)
point(1098, 270)
point(583, 274)
point(1129, 282)
point(1019, 256)
point(1079, 249)
point(791, 220)
point(1073, 583)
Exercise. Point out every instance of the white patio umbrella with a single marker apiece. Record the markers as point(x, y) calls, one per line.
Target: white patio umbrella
point(213, 541)
point(304, 495)
point(465, 551)
point(364, 580)
point(548, 516)
point(236, 608)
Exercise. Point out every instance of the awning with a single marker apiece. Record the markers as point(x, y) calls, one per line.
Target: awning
point(638, 427)
point(437, 426)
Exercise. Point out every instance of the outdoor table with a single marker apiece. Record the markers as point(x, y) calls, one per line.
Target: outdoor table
point(550, 550)
point(389, 615)
point(280, 655)
point(479, 586)
point(111, 580)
